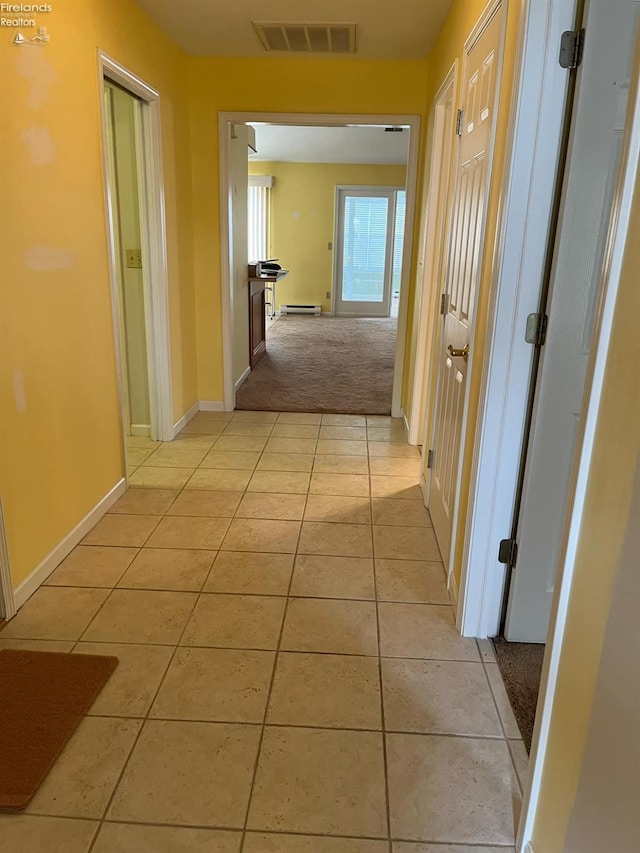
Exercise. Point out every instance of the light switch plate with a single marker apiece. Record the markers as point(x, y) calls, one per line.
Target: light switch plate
point(134, 259)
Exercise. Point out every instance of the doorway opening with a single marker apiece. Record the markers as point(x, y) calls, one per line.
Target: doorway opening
point(571, 294)
point(314, 170)
point(133, 172)
point(123, 117)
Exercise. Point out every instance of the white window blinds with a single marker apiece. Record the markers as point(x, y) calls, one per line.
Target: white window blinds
point(365, 248)
point(258, 217)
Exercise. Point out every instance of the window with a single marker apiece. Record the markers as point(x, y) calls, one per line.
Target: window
point(258, 217)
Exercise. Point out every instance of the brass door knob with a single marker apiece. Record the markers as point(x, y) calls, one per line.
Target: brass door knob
point(459, 353)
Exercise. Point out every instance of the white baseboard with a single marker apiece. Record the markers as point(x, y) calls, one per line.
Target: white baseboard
point(38, 576)
point(7, 603)
point(328, 314)
point(141, 429)
point(423, 485)
point(184, 420)
point(452, 587)
point(243, 377)
point(211, 406)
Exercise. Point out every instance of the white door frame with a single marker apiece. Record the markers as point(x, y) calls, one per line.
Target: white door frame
point(493, 8)
point(433, 249)
point(338, 225)
point(154, 251)
point(617, 238)
point(8, 607)
point(528, 192)
point(329, 120)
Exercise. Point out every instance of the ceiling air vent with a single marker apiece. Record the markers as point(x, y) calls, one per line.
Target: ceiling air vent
point(307, 38)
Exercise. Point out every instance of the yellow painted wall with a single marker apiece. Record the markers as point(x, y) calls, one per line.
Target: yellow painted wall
point(606, 511)
point(60, 424)
point(270, 84)
point(302, 221)
point(448, 48)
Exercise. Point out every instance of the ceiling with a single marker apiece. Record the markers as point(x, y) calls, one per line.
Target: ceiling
point(284, 144)
point(386, 29)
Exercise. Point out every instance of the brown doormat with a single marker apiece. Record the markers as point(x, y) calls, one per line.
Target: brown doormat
point(44, 696)
point(520, 665)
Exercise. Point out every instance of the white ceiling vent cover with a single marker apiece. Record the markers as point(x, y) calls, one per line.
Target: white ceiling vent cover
point(307, 38)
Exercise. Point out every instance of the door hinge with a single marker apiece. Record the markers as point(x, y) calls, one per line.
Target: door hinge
point(535, 331)
point(571, 48)
point(459, 123)
point(508, 552)
point(430, 459)
point(443, 304)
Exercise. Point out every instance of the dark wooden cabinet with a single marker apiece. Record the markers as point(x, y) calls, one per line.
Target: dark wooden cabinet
point(257, 322)
point(258, 288)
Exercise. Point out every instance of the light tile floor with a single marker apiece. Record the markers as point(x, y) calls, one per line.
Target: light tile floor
point(290, 678)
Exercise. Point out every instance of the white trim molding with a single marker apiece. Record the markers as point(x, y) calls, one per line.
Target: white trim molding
point(530, 177)
point(7, 600)
point(38, 576)
point(211, 406)
point(181, 423)
point(452, 588)
point(153, 239)
point(265, 181)
point(585, 441)
point(140, 429)
point(242, 378)
point(329, 120)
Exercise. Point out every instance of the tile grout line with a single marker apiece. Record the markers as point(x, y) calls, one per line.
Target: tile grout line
point(145, 720)
point(289, 725)
point(502, 725)
point(277, 832)
point(254, 649)
point(198, 596)
point(273, 672)
point(385, 760)
point(272, 681)
point(113, 588)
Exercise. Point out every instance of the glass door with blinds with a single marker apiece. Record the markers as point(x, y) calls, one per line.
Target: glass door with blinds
point(366, 246)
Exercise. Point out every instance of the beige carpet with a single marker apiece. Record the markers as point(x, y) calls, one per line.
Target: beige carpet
point(521, 668)
point(324, 364)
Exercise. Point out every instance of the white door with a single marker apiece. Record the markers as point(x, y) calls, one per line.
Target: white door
point(466, 232)
point(438, 178)
point(365, 250)
point(592, 166)
point(122, 112)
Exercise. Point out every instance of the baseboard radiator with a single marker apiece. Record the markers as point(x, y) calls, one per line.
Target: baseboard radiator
point(301, 309)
